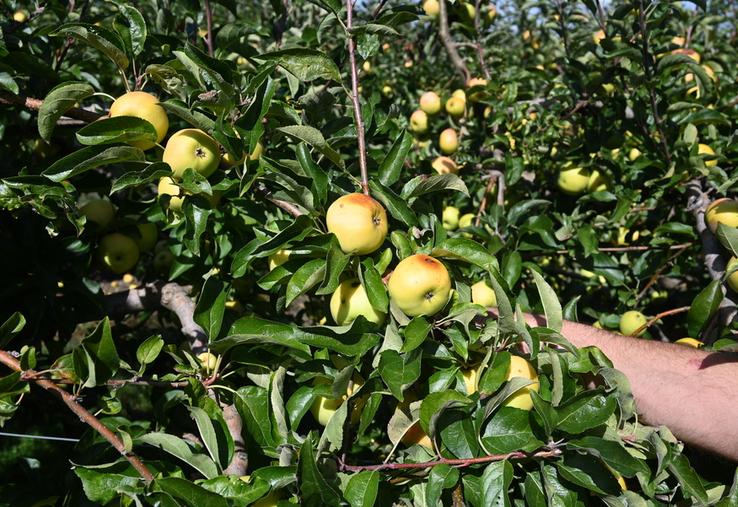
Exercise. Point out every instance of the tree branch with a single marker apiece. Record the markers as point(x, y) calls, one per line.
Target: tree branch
point(496, 178)
point(355, 97)
point(659, 316)
point(209, 23)
point(35, 105)
point(85, 416)
point(448, 42)
point(289, 207)
point(477, 42)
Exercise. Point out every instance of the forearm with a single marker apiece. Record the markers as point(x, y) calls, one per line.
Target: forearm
point(690, 391)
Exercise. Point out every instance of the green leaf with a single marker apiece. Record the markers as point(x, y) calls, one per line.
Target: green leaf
point(688, 478)
point(551, 304)
point(496, 480)
point(535, 496)
point(374, 286)
point(210, 307)
point(152, 172)
point(611, 453)
point(588, 472)
point(207, 433)
point(394, 161)
point(121, 129)
point(466, 250)
point(396, 206)
point(11, 328)
point(509, 430)
point(728, 236)
point(102, 349)
point(314, 488)
point(318, 176)
point(423, 185)
point(585, 411)
point(90, 158)
point(305, 64)
point(704, 306)
point(191, 494)
point(362, 488)
point(136, 26)
point(398, 371)
point(435, 403)
point(98, 37)
point(149, 350)
point(58, 101)
point(441, 477)
point(179, 449)
point(254, 407)
point(313, 137)
point(415, 333)
point(305, 278)
point(104, 483)
point(335, 263)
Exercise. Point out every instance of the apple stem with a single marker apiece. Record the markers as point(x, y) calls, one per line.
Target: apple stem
point(355, 97)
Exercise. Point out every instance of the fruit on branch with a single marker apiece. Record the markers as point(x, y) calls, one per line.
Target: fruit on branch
point(358, 222)
point(163, 257)
point(367, 66)
point(455, 107)
point(631, 321)
point(722, 211)
point(167, 186)
point(430, 103)
point(98, 211)
point(208, 360)
point(146, 237)
point(450, 218)
point(598, 36)
point(690, 342)
point(573, 180)
point(323, 408)
point(278, 258)
point(711, 160)
point(20, 16)
point(444, 165)
point(634, 154)
point(459, 94)
point(520, 368)
point(476, 81)
point(419, 122)
point(387, 90)
point(431, 8)
point(448, 141)
point(191, 148)
point(466, 220)
point(351, 300)
point(732, 273)
point(483, 294)
point(597, 182)
point(420, 285)
point(145, 106)
point(118, 252)
point(468, 11)
point(491, 12)
point(416, 436)
point(227, 161)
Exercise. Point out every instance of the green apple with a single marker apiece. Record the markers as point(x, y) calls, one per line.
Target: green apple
point(146, 237)
point(163, 257)
point(98, 211)
point(430, 103)
point(631, 321)
point(573, 180)
point(324, 408)
point(483, 294)
point(118, 252)
point(208, 361)
point(450, 218)
point(466, 220)
point(351, 300)
point(419, 122)
point(420, 285)
point(191, 148)
point(732, 277)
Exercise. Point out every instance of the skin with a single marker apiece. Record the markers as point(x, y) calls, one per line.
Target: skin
point(191, 148)
point(359, 223)
point(145, 106)
point(690, 391)
point(420, 285)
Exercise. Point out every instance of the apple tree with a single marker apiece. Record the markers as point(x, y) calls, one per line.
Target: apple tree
point(282, 252)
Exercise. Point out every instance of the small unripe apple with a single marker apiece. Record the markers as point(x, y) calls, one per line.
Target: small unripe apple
point(520, 368)
point(118, 252)
point(98, 211)
point(631, 321)
point(448, 141)
point(444, 165)
point(167, 186)
point(366, 66)
point(208, 361)
point(351, 300)
point(420, 285)
point(455, 107)
point(146, 238)
point(732, 277)
point(690, 342)
point(430, 103)
point(573, 180)
point(492, 12)
point(358, 222)
point(323, 408)
point(191, 148)
point(450, 218)
point(431, 8)
point(483, 294)
point(704, 149)
point(145, 106)
point(419, 122)
point(722, 211)
point(597, 182)
point(278, 258)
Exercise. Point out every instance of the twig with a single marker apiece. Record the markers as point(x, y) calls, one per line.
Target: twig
point(35, 105)
point(28, 377)
point(209, 24)
point(289, 207)
point(496, 178)
point(355, 97)
point(460, 463)
point(378, 9)
point(240, 461)
point(636, 248)
point(654, 278)
point(86, 417)
point(477, 42)
point(651, 321)
point(448, 42)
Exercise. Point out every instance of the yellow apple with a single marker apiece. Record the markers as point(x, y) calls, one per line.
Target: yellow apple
point(630, 321)
point(430, 103)
point(466, 220)
point(228, 161)
point(351, 300)
point(468, 11)
point(278, 258)
point(323, 408)
point(367, 66)
point(597, 182)
point(704, 149)
point(416, 436)
point(208, 361)
point(146, 237)
point(678, 41)
point(118, 252)
point(20, 16)
point(694, 55)
point(450, 218)
point(520, 368)
point(732, 277)
point(459, 94)
point(145, 106)
point(690, 342)
point(420, 285)
point(98, 211)
point(419, 122)
point(448, 141)
point(483, 294)
point(455, 107)
point(634, 154)
point(359, 223)
point(387, 90)
point(573, 180)
point(431, 8)
point(598, 36)
point(444, 165)
point(191, 148)
point(492, 12)
point(722, 211)
point(476, 81)
point(167, 186)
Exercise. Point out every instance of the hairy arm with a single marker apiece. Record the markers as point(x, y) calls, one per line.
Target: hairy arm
point(690, 391)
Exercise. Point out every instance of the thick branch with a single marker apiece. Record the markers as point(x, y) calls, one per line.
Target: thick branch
point(35, 104)
point(240, 462)
point(355, 97)
point(84, 415)
point(448, 42)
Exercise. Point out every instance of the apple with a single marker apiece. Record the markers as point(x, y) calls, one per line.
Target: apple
point(367, 66)
point(450, 218)
point(630, 321)
point(420, 285)
point(118, 252)
point(419, 122)
point(271, 500)
point(482, 294)
point(208, 361)
point(460, 94)
point(468, 11)
point(431, 8)
point(323, 408)
point(678, 41)
point(732, 274)
point(145, 106)
point(358, 222)
point(430, 103)
point(597, 182)
point(722, 211)
point(167, 186)
point(278, 258)
point(387, 90)
point(228, 161)
point(444, 165)
point(471, 376)
point(466, 220)
point(598, 36)
point(351, 300)
point(694, 55)
point(690, 342)
point(476, 81)
point(520, 368)
point(492, 12)
point(704, 149)
point(416, 436)
point(98, 211)
point(448, 141)
point(455, 107)
point(634, 154)
point(191, 148)
point(573, 180)
point(146, 238)
point(20, 16)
